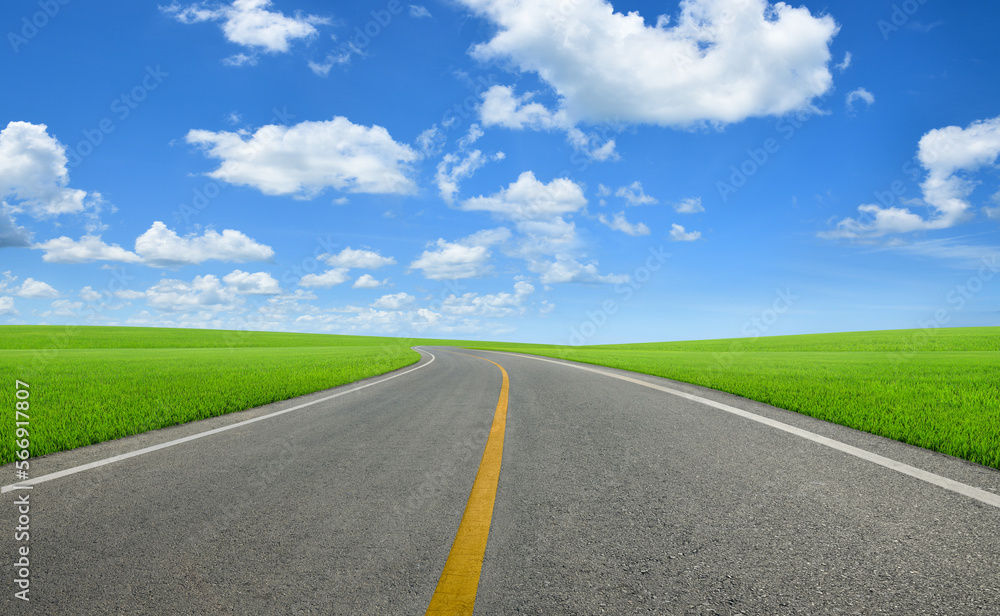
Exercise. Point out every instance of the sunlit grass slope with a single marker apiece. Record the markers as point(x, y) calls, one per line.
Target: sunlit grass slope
point(938, 389)
point(92, 384)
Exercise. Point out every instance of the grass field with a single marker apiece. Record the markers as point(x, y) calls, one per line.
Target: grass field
point(92, 384)
point(936, 389)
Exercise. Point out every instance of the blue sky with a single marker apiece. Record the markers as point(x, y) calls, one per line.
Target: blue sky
point(562, 172)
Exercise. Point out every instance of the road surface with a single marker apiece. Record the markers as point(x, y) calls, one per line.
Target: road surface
point(613, 498)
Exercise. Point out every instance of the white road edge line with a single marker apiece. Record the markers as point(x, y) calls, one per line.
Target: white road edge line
point(138, 452)
point(982, 496)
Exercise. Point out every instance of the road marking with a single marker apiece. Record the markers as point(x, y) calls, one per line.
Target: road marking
point(982, 496)
point(459, 582)
point(152, 448)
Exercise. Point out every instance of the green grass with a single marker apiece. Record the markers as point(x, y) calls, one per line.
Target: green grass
point(92, 384)
point(938, 389)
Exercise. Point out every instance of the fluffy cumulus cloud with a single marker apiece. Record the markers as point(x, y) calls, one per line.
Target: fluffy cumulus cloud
point(162, 247)
point(689, 206)
point(347, 259)
point(620, 223)
point(258, 283)
point(159, 246)
point(466, 258)
point(204, 292)
point(950, 156)
point(7, 305)
point(367, 281)
point(498, 305)
point(309, 157)
point(564, 269)
point(34, 177)
point(208, 294)
point(36, 289)
point(545, 238)
point(679, 234)
point(634, 195)
point(719, 61)
point(501, 106)
point(88, 248)
point(527, 199)
point(357, 258)
point(325, 280)
point(251, 23)
point(395, 301)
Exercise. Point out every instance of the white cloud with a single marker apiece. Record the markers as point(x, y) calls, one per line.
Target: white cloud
point(393, 302)
point(334, 59)
point(11, 234)
point(689, 206)
point(634, 195)
point(419, 11)
point(860, 94)
point(564, 269)
point(458, 165)
point(619, 223)
point(453, 168)
point(204, 297)
point(33, 174)
point(496, 305)
point(604, 152)
point(158, 247)
point(88, 248)
point(240, 59)
point(350, 258)
point(679, 234)
point(64, 308)
point(843, 66)
point(948, 155)
point(203, 293)
point(7, 305)
point(245, 283)
point(249, 23)
point(461, 164)
point(162, 247)
point(502, 107)
point(465, 258)
point(36, 289)
point(346, 259)
point(528, 199)
point(431, 141)
point(722, 62)
point(88, 294)
point(367, 281)
point(325, 280)
point(309, 157)
point(546, 239)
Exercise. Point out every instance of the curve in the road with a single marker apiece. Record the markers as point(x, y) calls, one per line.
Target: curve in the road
point(943, 482)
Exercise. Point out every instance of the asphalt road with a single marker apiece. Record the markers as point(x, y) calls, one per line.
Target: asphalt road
point(613, 498)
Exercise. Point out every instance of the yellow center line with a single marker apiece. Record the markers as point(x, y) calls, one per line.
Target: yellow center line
point(459, 582)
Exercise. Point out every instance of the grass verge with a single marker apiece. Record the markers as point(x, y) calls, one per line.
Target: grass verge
point(938, 389)
point(93, 384)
